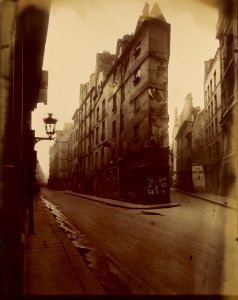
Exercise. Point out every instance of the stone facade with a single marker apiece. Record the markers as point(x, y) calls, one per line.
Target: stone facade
point(123, 117)
point(188, 137)
point(60, 164)
point(227, 33)
point(213, 130)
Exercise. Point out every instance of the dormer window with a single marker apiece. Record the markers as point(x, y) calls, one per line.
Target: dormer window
point(137, 50)
point(136, 77)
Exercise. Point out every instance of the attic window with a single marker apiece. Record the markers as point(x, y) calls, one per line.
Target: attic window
point(137, 50)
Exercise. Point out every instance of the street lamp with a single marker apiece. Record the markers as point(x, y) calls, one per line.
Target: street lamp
point(50, 124)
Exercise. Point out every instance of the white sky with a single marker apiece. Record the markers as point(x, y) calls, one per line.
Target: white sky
point(78, 29)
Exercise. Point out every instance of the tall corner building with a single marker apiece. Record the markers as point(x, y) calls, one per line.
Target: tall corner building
point(124, 145)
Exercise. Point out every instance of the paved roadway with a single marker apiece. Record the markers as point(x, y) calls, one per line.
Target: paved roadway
point(188, 249)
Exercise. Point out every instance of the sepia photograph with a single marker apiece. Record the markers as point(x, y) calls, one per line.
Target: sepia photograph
point(119, 148)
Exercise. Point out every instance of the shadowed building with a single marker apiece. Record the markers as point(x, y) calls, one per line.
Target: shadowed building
point(123, 117)
point(24, 27)
point(173, 154)
point(227, 33)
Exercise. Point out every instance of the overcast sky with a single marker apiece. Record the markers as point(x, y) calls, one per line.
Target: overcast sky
point(78, 29)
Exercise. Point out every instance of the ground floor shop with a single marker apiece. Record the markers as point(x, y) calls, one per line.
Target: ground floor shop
point(144, 177)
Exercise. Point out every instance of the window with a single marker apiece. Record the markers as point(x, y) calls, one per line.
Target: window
point(102, 157)
point(103, 131)
point(97, 115)
point(96, 160)
point(136, 77)
point(85, 147)
point(85, 108)
point(121, 121)
point(217, 149)
point(212, 108)
point(114, 102)
point(215, 103)
point(213, 151)
point(215, 79)
point(211, 87)
point(122, 93)
point(103, 107)
point(136, 132)
point(97, 130)
point(137, 50)
point(216, 126)
point(114, 129)
point(212, 133)
point(136, 105)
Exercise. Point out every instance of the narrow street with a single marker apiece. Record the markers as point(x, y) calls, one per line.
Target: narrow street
point(188, 249)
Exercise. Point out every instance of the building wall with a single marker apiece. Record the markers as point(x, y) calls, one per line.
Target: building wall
point(128, 113)
point(198, 152)
point(75, 150)
point(213, 129)
point(60, 174)
point(227, 33)
point(185, 143)
point(174, 151)
point(20, 78)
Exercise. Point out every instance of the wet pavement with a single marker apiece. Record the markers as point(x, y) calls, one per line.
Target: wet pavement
point(60, 259)
point(53, 264)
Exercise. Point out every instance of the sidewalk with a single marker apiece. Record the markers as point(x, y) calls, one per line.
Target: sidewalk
point(53, 264)
point(216, 199)
point(219, 200)
point(122, 204)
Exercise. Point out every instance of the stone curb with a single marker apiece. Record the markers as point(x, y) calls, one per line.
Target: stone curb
point(205, 199)
point(127, 205)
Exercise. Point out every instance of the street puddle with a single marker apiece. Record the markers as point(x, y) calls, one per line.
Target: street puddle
point(100, 263)
point(151, 213)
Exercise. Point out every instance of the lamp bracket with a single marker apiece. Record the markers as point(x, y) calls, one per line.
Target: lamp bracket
point(38, 139)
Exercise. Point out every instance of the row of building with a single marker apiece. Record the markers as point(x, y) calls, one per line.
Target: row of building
point(204, 142)
point(119, 145)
